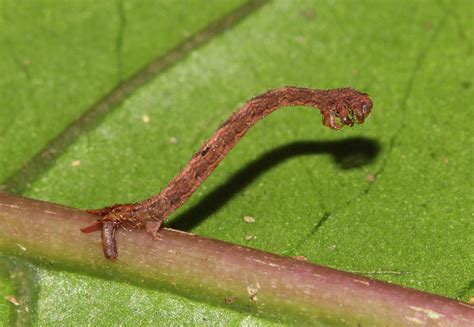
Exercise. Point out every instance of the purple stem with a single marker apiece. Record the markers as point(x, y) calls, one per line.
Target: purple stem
point(285, 288)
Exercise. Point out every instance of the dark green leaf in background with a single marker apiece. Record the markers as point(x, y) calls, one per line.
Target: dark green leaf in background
point(389, 199)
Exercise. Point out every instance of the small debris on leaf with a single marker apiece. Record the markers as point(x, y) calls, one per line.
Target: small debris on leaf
point(252, 291)
point(249, 219)
point(21, 246)
point(76, 163)
point(173, 140)
point(300, 257)
point(12, 300)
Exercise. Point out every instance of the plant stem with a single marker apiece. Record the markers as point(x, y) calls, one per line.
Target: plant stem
point(219, 272)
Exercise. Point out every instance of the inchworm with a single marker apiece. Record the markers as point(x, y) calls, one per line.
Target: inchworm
point(346, 104)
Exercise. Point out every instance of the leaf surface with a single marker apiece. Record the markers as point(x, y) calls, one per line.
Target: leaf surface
point(388, 199)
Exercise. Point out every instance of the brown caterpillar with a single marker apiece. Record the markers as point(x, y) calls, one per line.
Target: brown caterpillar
point(346, 105)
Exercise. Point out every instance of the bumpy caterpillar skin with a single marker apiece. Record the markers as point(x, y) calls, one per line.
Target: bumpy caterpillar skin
point(339, 107)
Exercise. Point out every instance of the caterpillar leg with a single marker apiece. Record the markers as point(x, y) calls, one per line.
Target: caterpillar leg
point(109, 243)
point(108, 229)
point(152, 227)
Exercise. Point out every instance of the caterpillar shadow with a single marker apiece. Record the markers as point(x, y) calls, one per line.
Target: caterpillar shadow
point(347, 154)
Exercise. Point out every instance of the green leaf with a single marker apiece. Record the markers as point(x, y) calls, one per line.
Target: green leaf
point(389, 199)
